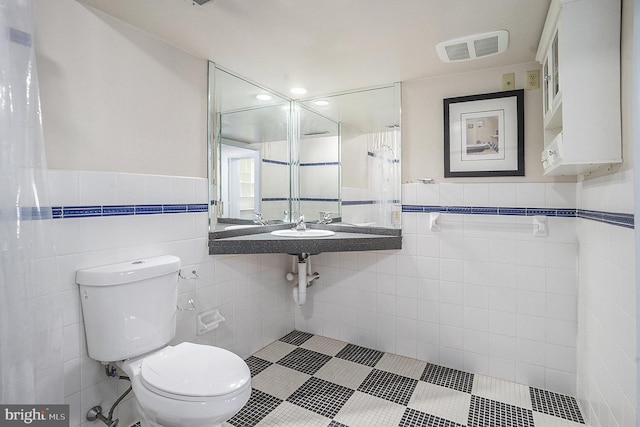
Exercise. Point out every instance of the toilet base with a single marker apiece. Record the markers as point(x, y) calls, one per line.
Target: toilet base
point(145, 421)
point(159, 411)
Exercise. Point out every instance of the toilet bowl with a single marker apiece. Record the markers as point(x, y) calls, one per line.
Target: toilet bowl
point(188, 385)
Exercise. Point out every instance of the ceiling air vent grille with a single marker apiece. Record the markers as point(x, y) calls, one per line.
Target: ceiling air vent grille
point(457, 52)
point(473, 47)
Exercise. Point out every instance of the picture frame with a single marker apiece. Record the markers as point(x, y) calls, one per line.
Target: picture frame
point(484, 135)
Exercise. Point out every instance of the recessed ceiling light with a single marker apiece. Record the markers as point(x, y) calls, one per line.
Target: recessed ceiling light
point(298, 90)
point(321, 103)
point(263, 97)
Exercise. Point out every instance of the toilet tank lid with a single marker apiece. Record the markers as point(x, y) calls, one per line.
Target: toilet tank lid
point(130, 271)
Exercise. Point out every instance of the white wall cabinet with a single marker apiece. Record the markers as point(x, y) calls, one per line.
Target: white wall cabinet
point(580, 56)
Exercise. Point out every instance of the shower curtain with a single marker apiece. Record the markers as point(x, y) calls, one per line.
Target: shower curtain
point(384, 176)
point(31, 362)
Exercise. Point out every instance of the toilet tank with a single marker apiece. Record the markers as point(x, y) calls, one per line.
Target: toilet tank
point(129, 308)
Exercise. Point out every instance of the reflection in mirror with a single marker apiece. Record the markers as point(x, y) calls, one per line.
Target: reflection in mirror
point(318, 173)
point(249, 150)
point(337, 155)
point(370, 152)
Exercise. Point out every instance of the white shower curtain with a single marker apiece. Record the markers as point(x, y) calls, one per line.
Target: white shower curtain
point(31, 367)
point(384, 176)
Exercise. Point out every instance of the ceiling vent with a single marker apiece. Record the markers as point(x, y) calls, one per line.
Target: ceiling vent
point(473, 47)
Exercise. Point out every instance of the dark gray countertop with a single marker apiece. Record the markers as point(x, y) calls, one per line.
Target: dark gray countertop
point(259, 240)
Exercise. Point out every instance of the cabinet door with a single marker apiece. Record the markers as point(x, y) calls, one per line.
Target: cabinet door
point(555, 68)
point(551, 77)
point(546, 85)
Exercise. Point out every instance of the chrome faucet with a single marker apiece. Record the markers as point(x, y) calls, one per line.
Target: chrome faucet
point(258, 219)
point(325, 217)
point(300, 225)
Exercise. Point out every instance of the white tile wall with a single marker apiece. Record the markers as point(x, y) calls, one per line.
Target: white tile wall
point(357, 214)
point(248, 290)
point(606, 355)
point(483, 295)
point(277, 186)
point(611, 193)
point(328, 187)
point(319, 149)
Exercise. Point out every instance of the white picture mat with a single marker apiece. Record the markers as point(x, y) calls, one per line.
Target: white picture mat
point(459, 160)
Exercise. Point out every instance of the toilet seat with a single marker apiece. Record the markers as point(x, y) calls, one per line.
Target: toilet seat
point(194, 372)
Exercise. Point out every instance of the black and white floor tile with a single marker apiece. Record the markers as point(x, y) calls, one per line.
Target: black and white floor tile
point(309, 380)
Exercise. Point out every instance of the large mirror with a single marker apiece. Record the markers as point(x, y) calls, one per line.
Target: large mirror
point(317, 171)
point(273, 159)
point(249, 149)
point(370, 153)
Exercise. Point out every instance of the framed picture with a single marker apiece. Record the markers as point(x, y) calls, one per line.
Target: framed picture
point(484, 135)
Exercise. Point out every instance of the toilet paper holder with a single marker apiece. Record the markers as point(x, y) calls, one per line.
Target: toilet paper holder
point(208, 321)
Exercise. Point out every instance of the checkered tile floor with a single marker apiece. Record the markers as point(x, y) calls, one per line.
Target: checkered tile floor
point(309, 380)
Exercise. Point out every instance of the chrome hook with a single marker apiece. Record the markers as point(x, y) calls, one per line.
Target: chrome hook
point(191, 303)
point(193, 277)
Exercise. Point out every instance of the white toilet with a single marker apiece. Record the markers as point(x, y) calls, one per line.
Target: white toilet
point(129, 312)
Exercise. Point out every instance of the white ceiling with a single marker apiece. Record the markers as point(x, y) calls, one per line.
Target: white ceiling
point(331, 46)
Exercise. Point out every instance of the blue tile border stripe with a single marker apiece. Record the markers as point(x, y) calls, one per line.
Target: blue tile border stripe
point(117, 210)
point(620, 219)
point(33, 213)
point(148, 209)
point(612, 218)
point(20, 37)
point(174, 208)
point(566, 212)
point(57, 212)
point(317, 199)
point(275, 162)
point(197, 207)
point(365, 202)
point(81, 211)
point(512, 211)
point(321, 164)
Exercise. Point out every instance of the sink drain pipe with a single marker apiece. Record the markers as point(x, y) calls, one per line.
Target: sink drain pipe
point(305, 279)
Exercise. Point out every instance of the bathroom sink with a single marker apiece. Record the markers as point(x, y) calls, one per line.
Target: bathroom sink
point(306, 234)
